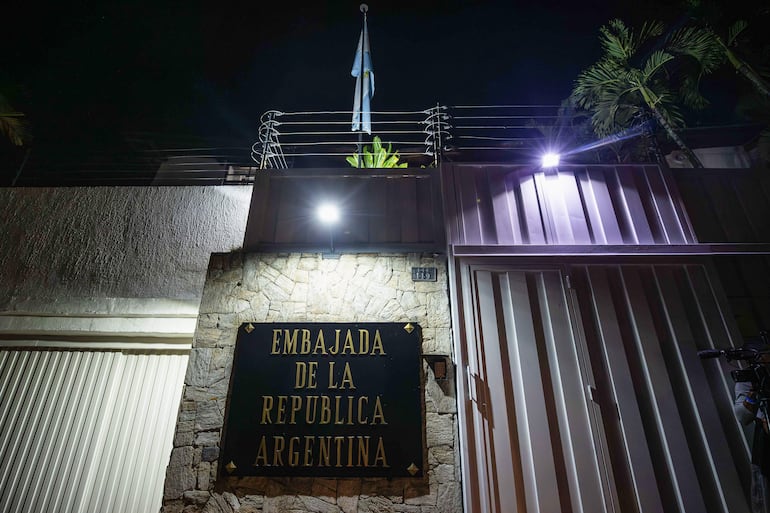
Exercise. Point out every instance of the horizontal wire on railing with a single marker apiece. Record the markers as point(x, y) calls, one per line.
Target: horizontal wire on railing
point(285, 138)
point(304, 154)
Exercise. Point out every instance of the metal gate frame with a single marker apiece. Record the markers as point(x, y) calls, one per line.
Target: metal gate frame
point(693, 455)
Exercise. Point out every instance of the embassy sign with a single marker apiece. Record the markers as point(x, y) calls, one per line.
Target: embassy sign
point(325, 400)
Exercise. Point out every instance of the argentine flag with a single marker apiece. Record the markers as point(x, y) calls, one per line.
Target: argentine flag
point(362, 115)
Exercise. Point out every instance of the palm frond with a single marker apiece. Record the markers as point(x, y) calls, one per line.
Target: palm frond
point(616, 40)
point(12, 123)
point(699, 44)
point(735, 30)
point(690, 94)
point(593, 81)
point(650, 30)
point(13, 129)
point(654, 64)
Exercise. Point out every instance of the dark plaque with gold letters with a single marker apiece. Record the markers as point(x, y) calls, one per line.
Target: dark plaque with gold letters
point(325, 400)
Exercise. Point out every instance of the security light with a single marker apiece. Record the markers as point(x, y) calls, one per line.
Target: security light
point(328, 213)
point(550, 160)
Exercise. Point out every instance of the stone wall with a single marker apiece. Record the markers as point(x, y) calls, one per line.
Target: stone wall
point(310, 288)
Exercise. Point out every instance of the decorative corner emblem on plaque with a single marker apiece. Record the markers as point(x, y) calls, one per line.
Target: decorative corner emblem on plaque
point(413, 469)
point(249, 328)
point(230, 467)
point(409, 328)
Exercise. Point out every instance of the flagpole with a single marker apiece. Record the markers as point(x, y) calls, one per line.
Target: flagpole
point(364, 9)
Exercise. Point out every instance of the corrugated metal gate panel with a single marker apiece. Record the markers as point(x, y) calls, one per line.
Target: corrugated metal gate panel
point(727, 205)
point(85, 431)
point(576, 205)
point(591, 398)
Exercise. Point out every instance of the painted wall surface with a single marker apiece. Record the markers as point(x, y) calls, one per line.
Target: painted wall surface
point(310, 288)
point(120, 242)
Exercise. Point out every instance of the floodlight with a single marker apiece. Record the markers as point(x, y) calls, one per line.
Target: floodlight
point(328, 213)
point(550, 160)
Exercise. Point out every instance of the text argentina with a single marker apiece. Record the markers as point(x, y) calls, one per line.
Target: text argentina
point(321, 451)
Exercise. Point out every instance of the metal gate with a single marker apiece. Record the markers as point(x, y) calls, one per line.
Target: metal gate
point(584, 392)
point(86, 431)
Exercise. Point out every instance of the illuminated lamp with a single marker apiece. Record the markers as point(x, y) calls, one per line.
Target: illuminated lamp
point(550, 160)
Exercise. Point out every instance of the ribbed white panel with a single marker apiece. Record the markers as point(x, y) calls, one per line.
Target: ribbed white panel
point(586, 395)
point(573, 206)
point(86, 431)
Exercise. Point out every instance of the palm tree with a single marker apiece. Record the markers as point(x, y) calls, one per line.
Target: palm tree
point(740, 65)
point(11, 123)
point(625, 85)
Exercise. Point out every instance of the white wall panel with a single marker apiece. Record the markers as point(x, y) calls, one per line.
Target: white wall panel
point(86, 431)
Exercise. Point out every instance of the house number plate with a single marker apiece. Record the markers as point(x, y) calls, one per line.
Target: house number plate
point(424, 274)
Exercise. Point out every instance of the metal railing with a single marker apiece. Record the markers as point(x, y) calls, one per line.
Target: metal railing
point(321, 139)
point(424, 137)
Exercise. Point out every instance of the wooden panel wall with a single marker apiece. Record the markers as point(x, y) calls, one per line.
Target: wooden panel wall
point(380, 209)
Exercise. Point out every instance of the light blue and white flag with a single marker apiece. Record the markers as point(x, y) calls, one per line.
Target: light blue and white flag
point(362, 114)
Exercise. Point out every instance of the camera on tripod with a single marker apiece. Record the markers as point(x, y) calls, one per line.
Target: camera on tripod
point(757, 375)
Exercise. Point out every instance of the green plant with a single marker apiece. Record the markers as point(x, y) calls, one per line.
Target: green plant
point(376, 156)
point(627, 81)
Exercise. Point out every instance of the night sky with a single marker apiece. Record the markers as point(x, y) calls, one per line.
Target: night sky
point(92, 74)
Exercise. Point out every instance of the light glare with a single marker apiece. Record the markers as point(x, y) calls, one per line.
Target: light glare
point(328, 213)
point(550, 160)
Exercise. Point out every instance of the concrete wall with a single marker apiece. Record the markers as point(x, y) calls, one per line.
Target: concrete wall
point(309, 288)
point(99, 296)
point(113, 242)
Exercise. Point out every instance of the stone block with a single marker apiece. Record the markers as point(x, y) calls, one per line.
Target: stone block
point(196, 497)
point(281, 504)
point(217, 504)
point(254, 502)
point(301, 276)
point(348, 491)
point(275, 293)
point(184, 433)
point(375, 504)
point(203, 472)
point(439, 429)
point(285, 283)
point(172, 507)
point(179, 475)
point(210, 453)
point(449, 498)
point(442, 473)
point(209, 416)
point(308, 263)
point(392, 310)
point(198, 367)
point(318, 505)
point(259, 307)
point(441, 454)
point(231, 500)
point(436, 398)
